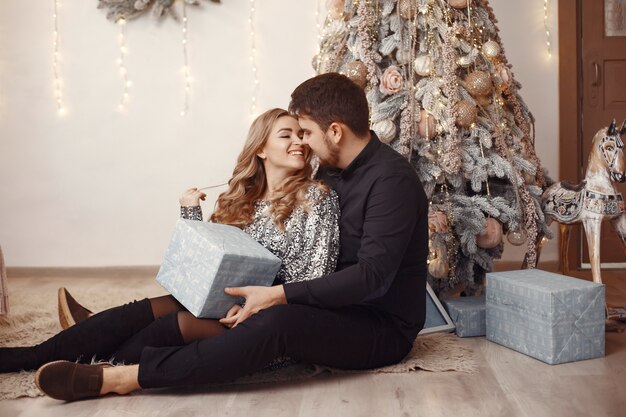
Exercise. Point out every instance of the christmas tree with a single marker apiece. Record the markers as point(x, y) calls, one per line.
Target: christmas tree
point(442, 94)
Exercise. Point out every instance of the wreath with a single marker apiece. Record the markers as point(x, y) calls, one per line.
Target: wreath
point(128, 9)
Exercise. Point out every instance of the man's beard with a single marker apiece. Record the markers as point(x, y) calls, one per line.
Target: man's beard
point(332, 157)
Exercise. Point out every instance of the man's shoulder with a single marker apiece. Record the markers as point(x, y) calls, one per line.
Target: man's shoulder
point(389, 163)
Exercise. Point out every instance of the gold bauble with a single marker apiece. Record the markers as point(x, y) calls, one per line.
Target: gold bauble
point(423, 65)
point(465, 112)
point(426, 127)
point(407, 9)
point(357, 72)
point(458, 4)
point(438, 266)
point(491, 49)
point(335, 9)
point(478, 83)
point(464, 61)
point(491, 236)
point(385, 130)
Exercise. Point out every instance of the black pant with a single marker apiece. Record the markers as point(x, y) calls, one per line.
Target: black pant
point(349, 338)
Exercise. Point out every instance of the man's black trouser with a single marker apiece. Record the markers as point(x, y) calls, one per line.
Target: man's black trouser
point(348, 338)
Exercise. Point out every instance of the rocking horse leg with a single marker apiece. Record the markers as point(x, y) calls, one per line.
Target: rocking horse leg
point(564, 248)
point(617, 312)
point(592, 230)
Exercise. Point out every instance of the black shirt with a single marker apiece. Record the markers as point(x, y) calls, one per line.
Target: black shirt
point(384, 241)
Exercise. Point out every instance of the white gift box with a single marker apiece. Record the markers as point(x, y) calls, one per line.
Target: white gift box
point(204, 258)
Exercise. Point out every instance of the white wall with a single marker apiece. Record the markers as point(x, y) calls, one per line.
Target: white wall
point(97, 187)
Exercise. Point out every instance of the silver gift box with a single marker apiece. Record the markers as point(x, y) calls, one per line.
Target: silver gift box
point(550, 317)
point(467, 314)
point(204, 258)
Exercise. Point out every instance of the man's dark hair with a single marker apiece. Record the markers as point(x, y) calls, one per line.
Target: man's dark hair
point(329, 98)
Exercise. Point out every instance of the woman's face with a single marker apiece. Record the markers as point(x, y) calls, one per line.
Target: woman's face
point(283, 149)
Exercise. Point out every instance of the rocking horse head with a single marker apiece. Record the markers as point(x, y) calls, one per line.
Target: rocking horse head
point(608, 151)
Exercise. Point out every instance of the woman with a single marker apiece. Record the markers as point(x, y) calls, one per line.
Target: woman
point(272, 197)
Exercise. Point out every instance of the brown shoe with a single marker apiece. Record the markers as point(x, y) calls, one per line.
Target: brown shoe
point(70, 312)
point(70, 381)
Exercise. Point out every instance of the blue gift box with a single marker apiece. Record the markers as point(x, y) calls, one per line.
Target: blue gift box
point(550, 317)
point(468, 315)
point(204, 258)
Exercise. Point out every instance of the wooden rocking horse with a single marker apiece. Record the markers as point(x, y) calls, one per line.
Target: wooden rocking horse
point(594, 200)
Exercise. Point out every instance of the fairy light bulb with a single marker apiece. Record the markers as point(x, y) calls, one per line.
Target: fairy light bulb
point(546, 8)
point(186, 70)
point(253, 57)
point(58, 81)
point(121, 62)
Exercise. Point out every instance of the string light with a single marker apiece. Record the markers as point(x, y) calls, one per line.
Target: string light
point(186, 71)
point(546, 8)
point(58, 82)
point(253, 61)
point(318, 25)
point(121, 61)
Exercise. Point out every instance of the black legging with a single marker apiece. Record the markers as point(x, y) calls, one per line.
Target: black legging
point(118, 334)
point(349, 338)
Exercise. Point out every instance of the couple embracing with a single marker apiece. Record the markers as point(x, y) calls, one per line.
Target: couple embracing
point(350, 292)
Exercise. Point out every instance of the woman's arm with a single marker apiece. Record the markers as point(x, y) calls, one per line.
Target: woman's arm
point(190, 204)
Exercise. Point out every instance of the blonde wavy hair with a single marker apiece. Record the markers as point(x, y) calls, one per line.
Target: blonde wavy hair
point(248, 183)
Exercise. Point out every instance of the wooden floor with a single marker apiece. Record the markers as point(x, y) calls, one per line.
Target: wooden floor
point(508, 384)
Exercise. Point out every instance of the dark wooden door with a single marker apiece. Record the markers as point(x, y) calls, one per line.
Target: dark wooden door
point(603, 92)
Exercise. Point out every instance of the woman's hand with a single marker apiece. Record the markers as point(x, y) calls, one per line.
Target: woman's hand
point(191, 197)
point(232, 316)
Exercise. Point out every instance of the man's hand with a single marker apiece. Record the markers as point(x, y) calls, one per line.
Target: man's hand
point(257, 299)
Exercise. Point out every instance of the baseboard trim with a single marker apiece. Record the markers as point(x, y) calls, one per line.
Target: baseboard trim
point(151, 270)
point(82, 272)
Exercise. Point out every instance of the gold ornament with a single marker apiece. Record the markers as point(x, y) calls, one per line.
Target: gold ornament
point(438, 266)
point(491, 236)
point(407, 9)
point(464, 61)
point(426, 127)
point(478, 83)
point(385, 129)
point(423, 65)
point(516, 237)
point(335, 9)
point(466, 113)
point(458, 4)
point(491, 49)
point(357, 72)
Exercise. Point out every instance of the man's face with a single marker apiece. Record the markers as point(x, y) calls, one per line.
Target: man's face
point(319, 141)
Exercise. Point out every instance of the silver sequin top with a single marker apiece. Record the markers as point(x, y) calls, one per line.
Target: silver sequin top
point(309, 245)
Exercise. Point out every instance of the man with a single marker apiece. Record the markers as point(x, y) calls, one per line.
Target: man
point(364, 315)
